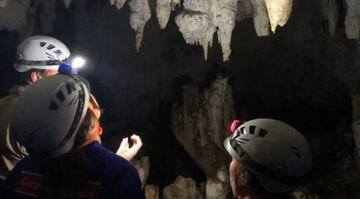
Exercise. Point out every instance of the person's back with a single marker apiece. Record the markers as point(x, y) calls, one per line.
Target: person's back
point(110, 176)
point(9, 155)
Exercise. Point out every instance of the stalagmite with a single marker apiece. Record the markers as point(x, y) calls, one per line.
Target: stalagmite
point(218, 187)
point(152, 192)
point(139, 14)
point(279, 12)
point(67, 3)
point(118, 3)
point(352, 20)
point(143, 167)
point(201, 124)
point(3, 3)
point(183, 188)
point(163, 10)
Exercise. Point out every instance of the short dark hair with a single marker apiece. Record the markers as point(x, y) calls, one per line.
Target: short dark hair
point(24, 78)
point(256, 186)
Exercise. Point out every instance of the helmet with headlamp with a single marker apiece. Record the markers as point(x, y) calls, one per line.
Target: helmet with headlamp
point(41, 52)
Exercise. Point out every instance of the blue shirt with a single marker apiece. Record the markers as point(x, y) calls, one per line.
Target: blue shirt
point(111, 175)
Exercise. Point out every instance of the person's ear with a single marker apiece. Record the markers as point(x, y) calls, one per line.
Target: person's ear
point(34, 76)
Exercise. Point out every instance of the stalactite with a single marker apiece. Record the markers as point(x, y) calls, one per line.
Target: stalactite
point(67, 3)
point(163, 10)
point(260, 18)
point(279, 12)
point(118, 3)
point(139, 14)
point(333, 16)
point(196, 28)
point(215, 14)
point(352, 20)
point(224, 13)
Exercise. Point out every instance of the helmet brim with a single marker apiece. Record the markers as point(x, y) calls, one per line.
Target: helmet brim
point(230, 150)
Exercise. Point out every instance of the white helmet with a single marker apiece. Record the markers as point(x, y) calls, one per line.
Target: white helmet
point(277, 154)
point(40, 52)
point(49, 113)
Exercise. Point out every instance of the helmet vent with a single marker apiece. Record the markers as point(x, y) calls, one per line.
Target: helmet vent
point(53, 106)
point(242, 130)
point(244, 139)
point(50, 47)
point(42, 44)
point(50, 56)
point(58, 52)
point(60, 95)
point(68, 89)
point(252, 129)
point(262, 132)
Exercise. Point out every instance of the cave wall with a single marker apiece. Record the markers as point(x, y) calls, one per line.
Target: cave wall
point(302, 75)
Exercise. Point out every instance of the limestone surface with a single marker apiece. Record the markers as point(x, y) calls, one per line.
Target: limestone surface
point(201, 123)
point(139, 14)
point(183, 188)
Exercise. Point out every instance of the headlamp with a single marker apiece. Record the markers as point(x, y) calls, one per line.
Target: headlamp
point(72, 67)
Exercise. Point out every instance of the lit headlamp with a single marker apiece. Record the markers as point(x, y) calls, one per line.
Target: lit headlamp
point(68, 68)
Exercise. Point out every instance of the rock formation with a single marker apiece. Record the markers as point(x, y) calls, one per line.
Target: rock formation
point(139, 14)
point(143, 166)
point(201, 123)
point(118, 3)
point(152, 192)
point(352, 20)
point(183, 188)
point(218, 187)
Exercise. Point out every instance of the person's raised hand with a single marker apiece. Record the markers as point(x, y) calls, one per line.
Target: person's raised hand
point(127, 152)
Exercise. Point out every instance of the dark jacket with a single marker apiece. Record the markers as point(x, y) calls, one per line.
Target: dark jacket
point(110, 176)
